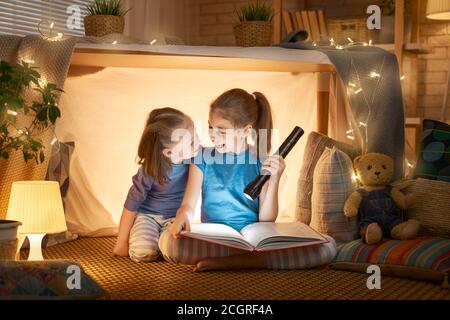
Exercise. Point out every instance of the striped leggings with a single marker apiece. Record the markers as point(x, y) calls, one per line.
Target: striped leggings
point(190, 251)
point(144, 236)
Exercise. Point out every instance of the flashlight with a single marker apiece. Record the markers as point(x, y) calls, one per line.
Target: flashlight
point(253, 189)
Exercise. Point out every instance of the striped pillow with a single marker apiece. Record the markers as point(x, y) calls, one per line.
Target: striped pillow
point(331, 187)
point(423, 258)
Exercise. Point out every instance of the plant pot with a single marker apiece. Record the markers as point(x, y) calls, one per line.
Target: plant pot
point(100, 25)
point(253, 33)
point(8, 239)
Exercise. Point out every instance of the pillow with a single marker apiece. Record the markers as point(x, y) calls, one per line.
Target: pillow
point(431, 205)
point(46, 279)
point(433, 161)
point(423, 258)
point(315, 146)
point(332, 184)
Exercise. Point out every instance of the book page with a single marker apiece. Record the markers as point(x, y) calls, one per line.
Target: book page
point(267, 232)
point(217, 233)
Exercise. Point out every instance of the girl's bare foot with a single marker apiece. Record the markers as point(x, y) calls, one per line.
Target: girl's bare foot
point(241, 261)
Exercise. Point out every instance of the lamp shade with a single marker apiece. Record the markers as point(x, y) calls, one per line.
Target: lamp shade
point(38, 205)
point(438, 9)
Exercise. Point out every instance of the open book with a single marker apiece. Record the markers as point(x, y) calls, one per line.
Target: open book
point(259, 236)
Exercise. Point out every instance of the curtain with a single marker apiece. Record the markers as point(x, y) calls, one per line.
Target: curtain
point(155, 19)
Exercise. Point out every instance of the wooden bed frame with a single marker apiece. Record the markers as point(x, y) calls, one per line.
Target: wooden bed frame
point(133, 59)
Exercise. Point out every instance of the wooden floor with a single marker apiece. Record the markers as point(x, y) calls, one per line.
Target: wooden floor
point(125, 279)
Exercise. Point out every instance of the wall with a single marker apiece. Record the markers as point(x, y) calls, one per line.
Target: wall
point(433, 66)
point(211, 23)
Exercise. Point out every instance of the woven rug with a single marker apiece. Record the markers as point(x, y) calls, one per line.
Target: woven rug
point(125, 279)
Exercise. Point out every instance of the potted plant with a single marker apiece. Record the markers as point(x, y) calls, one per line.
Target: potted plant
point(255, 25)
point(386, 34)
point(105, 17)
point(20, 123)
point(8, 239)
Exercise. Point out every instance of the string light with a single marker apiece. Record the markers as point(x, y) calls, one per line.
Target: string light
point(153, 42)
point(54, 141)
point(350, 40)
point(358, 91)
point(402, 78)
point(114, 42)
point(355, 177)
point(374, 74)
point(11, 112)
point(49, 37)
point(362, 124)
point(42, 82)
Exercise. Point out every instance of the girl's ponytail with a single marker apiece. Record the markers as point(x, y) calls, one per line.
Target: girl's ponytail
point(263, 121)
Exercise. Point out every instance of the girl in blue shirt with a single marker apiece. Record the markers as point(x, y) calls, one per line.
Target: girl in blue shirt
point(221, 174)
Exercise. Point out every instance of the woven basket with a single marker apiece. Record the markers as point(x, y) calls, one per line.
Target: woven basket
point(100, 25)
point(341, 29)
point(253, 33)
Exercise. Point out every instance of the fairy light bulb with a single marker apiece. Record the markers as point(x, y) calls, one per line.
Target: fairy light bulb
point(153, 42)
point(358, 91)
point(11, 112)
point(114, 42)
point(374, 74)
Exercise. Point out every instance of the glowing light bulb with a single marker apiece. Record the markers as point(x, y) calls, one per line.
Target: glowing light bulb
point(370, 42)
point(331, 42)
point(362, 124)
point(52, 25)
point(339, 47)
point(11, 112)
point(409, 164)
point(350, 40)
point(358, 91)
point(374, 74)
point(350, 137)
point(153, 42)
point(114, 42)
point(354, 177)
point(54, 141)
point(349, 131)
point(29, 61)
point(402, 78)
point(350, 84)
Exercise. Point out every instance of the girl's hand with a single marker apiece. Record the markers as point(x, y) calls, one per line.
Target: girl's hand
point(121, 249)
point(275, 165)
point(181, 222)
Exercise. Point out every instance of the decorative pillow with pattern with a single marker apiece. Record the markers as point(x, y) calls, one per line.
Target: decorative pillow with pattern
point(434, 158)
point(48, 279)
point(422, 258)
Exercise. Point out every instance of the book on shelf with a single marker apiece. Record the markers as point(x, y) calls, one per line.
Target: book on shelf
point(258, 236)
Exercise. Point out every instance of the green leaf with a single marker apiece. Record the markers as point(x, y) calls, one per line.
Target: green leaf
point(53, 114)
point(42, 114)
point(41, 156)
point(5, 155)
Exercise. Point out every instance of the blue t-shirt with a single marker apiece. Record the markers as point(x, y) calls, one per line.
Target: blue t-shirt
point(149, 197)
point(225, 175)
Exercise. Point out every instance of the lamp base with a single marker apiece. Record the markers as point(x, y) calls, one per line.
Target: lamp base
point(35, 247)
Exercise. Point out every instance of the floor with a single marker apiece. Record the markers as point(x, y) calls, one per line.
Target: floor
point(125, 279)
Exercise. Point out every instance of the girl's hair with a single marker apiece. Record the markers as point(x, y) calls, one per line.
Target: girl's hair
point(242, 108)
point(157, 136)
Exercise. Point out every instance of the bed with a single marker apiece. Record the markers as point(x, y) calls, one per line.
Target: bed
point(121, 83)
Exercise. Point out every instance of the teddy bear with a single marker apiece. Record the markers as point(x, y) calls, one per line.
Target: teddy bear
point(377, 202)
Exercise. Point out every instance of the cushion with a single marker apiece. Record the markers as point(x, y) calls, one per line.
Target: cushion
point(46, 279)
point(315, 146)
point(431, 205)
point(423, 258)
point(433, 161)
point(332, 185)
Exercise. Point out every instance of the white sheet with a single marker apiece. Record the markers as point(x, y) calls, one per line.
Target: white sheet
point(267, 53)
point(104, 113)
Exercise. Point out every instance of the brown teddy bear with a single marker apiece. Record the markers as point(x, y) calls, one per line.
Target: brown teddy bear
point(377, 202)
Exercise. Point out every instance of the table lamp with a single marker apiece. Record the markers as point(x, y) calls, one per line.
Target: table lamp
point(38, 205)
point(440, 10)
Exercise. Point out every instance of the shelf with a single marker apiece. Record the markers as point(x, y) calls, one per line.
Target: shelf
point(410, 47)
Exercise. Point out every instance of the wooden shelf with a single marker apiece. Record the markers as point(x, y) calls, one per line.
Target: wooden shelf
point(409, 47)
